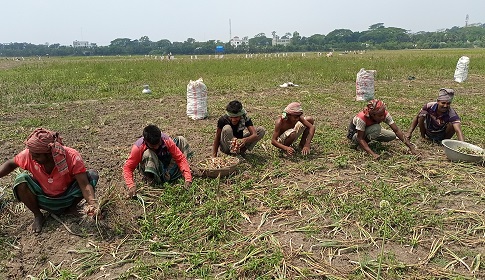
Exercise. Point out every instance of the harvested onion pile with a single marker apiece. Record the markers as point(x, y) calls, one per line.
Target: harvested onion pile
point(235, 145)
point(218, 162)
point(469, 151)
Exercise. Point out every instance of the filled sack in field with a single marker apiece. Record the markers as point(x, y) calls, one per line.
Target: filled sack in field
point(197, 100)
point(461, 71)
point(364, 85)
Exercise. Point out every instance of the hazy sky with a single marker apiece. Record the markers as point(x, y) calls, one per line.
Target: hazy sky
point(101, 21)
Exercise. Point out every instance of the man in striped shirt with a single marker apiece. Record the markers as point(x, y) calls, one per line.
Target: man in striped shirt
point(437, 120)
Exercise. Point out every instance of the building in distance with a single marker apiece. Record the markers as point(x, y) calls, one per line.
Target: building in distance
point(83, 44)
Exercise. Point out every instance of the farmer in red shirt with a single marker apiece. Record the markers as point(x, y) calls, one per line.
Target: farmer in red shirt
point(159, 159)
point(58, 178)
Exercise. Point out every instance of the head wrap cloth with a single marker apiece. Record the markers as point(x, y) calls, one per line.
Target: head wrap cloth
point(374, 106)
point(43, 141)
point(446, 94)
point(238, 114)
point(294, 108)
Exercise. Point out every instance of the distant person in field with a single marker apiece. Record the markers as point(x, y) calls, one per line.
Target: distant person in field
point(58, 178)
point(235, 133)
point(366, 127)
point(289, 126)
point(437, 120)
point(159, 158)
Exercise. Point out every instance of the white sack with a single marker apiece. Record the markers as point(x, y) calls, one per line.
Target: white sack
point(197, 100)
point(461, 71)
point(364, 85)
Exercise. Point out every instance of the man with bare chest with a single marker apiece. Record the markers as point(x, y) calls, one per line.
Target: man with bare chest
point(290, 126)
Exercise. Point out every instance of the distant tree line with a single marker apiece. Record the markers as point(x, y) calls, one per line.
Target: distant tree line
point(377, 37)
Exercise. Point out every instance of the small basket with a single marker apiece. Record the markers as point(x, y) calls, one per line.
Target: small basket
point(220, 172)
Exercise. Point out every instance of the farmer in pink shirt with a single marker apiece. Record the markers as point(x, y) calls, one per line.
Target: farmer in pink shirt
point(58, 178)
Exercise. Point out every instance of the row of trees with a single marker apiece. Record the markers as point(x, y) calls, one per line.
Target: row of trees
point(376, 37)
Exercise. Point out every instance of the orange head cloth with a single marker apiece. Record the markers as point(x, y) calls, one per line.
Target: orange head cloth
point(43, 141)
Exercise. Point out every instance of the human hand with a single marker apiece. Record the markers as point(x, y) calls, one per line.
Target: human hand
point(187, 184)
point(131, 193)
point(408, 135)
point(290, 151)
point(242, 142)
point(413, 151)
point(376, 156)
point(305, 151)
point(92, 209)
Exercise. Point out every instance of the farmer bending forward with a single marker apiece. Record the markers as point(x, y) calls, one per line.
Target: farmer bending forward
point(235, 131)
point(437, 120)
point(59, 179)
point(366, 127)
point(290, 126)
point(159, 159)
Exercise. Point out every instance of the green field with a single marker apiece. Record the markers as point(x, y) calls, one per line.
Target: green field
point(334, 214)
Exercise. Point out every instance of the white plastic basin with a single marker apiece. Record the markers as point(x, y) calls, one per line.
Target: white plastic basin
point(453, 152)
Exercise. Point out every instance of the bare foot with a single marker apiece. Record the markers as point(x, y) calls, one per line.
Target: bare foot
point(37, 224)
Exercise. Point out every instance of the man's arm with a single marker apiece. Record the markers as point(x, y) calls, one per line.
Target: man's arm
point(276, 134)
point(414, 123)
point(130, 165)
point(180, 159)
point(253, 136)
point(422, 127)
point(88, 193)
point(217, 142)
point(459, 133)
point(7, 167)
point(405, 140)
point(363, 144)
point(311, 132)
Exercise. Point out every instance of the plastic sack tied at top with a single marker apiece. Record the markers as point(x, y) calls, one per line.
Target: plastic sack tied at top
point(197, 100)
point(364, 85)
